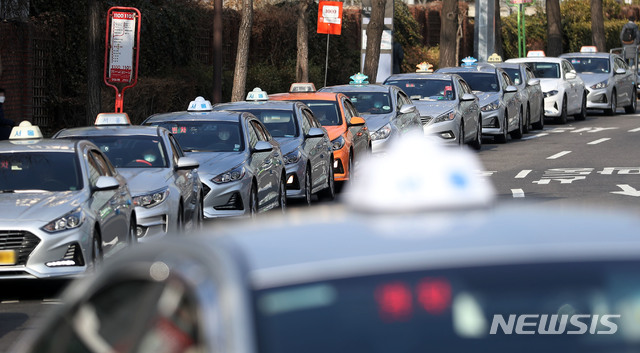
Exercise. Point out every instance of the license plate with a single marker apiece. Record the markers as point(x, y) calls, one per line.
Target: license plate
point(7, 257)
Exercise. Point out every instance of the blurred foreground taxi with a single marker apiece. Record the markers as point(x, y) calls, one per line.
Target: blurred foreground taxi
point(428, 262)
point(63, 206)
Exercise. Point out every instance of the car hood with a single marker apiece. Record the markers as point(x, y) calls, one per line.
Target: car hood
point(376, 121)
point(592, 79)
point(38, 206)
point(549, 84)
point(142, 180)
point(287, 144)
point(434, 108)
point(215, 163)
point(485, 98)
point(336, 130)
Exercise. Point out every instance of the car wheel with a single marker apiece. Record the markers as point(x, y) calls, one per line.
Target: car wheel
point(539, 125)
point(307, 186)
point(180, 220)
point(97, 254)
point(199, 218)
point(562, 119)
point(131, 237)
point(329, 193)
point(476, 144)
point(582, 115)
point(631, 108)
point(527, 121)
point(517, 133)
point(253, 201)
point(614, 104)
point(282, 197)
point(502, 138)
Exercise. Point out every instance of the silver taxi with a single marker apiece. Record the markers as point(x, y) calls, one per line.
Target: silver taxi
point(166, 189)
point(438, 277)
point(530, 94)
point(64, 206)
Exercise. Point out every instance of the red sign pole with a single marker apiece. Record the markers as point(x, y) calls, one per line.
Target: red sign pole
point(329, 22)
point(122, 40)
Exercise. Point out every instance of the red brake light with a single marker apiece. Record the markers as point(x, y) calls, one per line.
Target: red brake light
point(434, 294)
point(394, 301)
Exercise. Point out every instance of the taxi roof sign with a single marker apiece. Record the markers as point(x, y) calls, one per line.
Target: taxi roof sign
point(424, 67)
point(301, 87)
point(469, 61)
point(588, 49)
point(25, 131)
point(112, 119)
point(257, 95)
point(359, 79)
point(494, 58)
point(199, 105)
point(536, 54)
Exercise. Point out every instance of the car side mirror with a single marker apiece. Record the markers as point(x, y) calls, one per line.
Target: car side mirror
point(533, 82)
point(511, 89)
point(106, 183)
point(620, 71)
point(185, 163)
point(262, 146)
point(315, 132)
point(468, 97)
point(571, 75)
point(407, 108)
point(356, 121)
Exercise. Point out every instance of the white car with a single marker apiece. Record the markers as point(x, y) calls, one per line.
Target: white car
point(564, 91)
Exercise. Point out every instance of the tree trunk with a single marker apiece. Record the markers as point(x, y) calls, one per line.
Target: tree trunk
point(302, 61)
point(498, 39)
point(242, 56)
point(597, 25)
point(217, 51)
point(554, 28)
point(94, 77)
point(448, 33)
point(374, 37)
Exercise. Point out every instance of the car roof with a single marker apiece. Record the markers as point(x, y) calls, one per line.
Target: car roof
point(374, 87)
point(588, 55)
point(420, 76)
point(544, 59)
point(307, 96)
point(44, 145)
point(510, 65)
point(278, 105)
point(217, 115)
point(318, 248)
point(110, 130)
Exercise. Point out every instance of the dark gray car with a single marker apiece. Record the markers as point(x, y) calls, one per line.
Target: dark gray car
point(531, 94)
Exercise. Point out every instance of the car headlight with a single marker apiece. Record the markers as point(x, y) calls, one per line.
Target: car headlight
point(550, 93)
point(491, 106)
point(337, 143)
point(448, 116)
point(292, 157)
point(73, 219)
point(230, 175)
point(151, 199)
point(600, 85)
point(382, 133)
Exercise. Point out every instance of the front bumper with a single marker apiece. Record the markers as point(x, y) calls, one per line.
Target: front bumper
point(553, 106)
point(493, 122)
point(227, 199)
point(341, 170)
point(154, 222)
point(446, 130)
point(598, 98)
point(295, 179)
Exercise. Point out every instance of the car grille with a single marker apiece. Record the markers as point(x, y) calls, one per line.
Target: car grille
point(234, 203)
point(425, 119)
point(20, 241)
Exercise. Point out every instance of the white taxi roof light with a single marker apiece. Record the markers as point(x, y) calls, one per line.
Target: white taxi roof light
point(301, 87)
point(112, 119)
point(424, 67)
point(469, 61)
point(536, 54)
point(442, 178)
point(494, 58)
point(25, 131)
point(257, 95)
point(588, 49)
point(200, 105)
point(359, 79)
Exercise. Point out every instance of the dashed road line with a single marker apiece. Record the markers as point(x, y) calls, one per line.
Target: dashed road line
point(634, 130)
point(523, 174)
point(517, 193)
point(558, 155)
point(599, 141)
point(9, 301)
point(535, 136)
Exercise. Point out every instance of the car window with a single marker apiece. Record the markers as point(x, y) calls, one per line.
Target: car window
point(371, 102)
point(100, 163)
point(590, 65)
point(514, 74)
point(546, 69)
point(131, 151)
point(313, 122)
point(49, 171)
point(260, 133)
point(426, 89)
point(529, 73)
point(279, 122)
point(176, 152)
point(481, 81)
point(506, 80)
point(350, 107)
point(205, 136)
point(325, 112)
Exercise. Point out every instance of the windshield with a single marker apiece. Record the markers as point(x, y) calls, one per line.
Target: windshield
point(49, 171)
point(590, 65)
point(514, 74)
point(280, 123)
point(545, 70)
point(131, 151)
point(481, 81)
point(325, 111)
point(371, 102)
point(431, 90)
point(206, 136)
point(477, 309)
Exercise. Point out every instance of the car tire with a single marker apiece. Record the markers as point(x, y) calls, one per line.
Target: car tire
point(132, 238)
point(199, 219)
point(614, 104)
point(180, 220)
point(253, 201)
point(527, 121)
point(582, 115)
point(282, 193)
point(476, 144)
point(307, 186)
point(97, 254)
point(329, 193)
point(539, 125)
point(461, 135)
point(631, 108)
point(517, 133)
point(562, 119)
point(502, 138)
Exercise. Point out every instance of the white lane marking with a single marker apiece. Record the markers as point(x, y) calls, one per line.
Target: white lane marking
point(558, 155)
point(598, 141)
point(523, 174)
point(534, 136)
point(635, 130)
point(9, 301)
point(517, 193)
point(627, 190)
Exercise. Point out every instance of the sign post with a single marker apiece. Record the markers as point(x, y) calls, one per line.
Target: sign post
point(329, 22)
point(522, 42)
point(122, 49)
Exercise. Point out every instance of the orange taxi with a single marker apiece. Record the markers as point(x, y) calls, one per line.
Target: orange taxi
point(347, 130)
